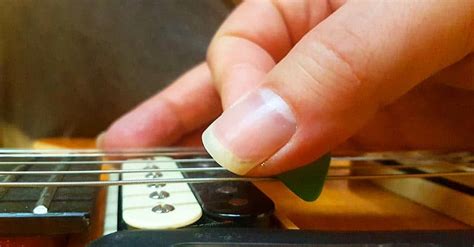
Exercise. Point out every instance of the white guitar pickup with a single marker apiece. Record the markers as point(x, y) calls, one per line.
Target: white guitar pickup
point(158, 206)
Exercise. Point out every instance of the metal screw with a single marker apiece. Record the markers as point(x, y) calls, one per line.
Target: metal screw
point(156, 186)
point(151, 167)
point(238, 202)
point(159, 194)
point(162, 208)
point(154, 175)
point(227, 189)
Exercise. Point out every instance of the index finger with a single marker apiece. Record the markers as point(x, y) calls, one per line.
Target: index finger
point(256, 36)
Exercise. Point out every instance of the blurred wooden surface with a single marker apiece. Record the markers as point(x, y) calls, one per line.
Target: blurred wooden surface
point(457, 203)
point(357, 206)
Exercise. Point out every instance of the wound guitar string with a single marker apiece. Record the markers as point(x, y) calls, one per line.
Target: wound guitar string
point(459, 164)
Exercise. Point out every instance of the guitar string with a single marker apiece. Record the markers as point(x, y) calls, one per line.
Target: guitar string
point(99, 162)
point(200, 150)
point(209, 169)
point(222, 179)
point(123, 150)
point(97, 155)
point(55, 179)
point(453, 157)
point(179, 151)
point(459, 157)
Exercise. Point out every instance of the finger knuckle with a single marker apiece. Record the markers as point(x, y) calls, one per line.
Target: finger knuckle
point(329, 69)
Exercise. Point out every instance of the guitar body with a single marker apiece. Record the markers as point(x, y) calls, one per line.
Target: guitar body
point(344, 206)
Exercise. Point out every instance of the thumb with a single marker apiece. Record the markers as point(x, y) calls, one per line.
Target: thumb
point(359, 59)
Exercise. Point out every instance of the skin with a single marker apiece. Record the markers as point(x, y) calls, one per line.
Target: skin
point(372, 75)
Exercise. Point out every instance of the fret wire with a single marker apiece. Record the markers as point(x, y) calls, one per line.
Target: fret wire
point(47, 194)
point(206, 169)
point(223, 179)
point(12, 178)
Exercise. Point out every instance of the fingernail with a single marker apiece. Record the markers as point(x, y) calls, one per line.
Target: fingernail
point(250, 132)
point(99, 141)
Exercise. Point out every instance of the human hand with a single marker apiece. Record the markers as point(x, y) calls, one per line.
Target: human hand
point(312, 76)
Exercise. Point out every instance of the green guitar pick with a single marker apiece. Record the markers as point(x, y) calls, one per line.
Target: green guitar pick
point(307, 182)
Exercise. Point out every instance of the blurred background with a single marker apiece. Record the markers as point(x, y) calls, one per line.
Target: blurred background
point(69, 68)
